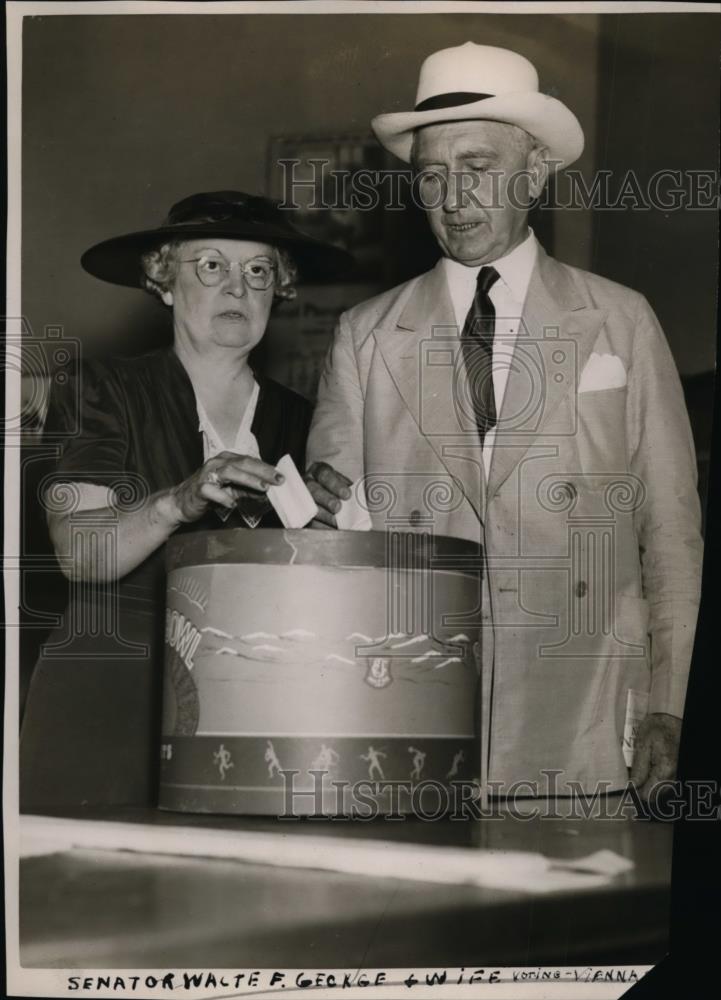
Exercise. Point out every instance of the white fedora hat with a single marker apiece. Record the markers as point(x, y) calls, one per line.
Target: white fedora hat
point(484, 83)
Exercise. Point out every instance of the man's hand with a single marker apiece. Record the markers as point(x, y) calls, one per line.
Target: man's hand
point(656, 753)
point(328, 488)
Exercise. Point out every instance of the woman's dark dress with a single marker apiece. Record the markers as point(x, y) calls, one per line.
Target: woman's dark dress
point(91, 728)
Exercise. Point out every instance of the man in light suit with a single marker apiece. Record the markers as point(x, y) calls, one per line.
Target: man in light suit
point(546, 402)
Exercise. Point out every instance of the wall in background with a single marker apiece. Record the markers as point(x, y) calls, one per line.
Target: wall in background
point(125, 115)
point(659, 109)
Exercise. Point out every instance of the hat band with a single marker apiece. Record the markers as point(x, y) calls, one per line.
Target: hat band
point(199, 220)
point(450, 100)
point(252, 209)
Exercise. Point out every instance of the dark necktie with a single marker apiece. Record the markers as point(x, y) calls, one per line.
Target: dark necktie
point(477, 344)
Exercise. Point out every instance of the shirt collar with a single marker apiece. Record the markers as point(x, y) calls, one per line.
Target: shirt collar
point(515, 268)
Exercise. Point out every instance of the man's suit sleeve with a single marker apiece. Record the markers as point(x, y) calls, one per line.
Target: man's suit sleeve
point(662, 455)
point(336, 433)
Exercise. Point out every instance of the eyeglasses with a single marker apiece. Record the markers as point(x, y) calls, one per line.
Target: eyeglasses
point(258, 273)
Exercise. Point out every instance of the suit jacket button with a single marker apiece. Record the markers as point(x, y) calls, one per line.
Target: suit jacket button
point(415, 517)
point(581, 588)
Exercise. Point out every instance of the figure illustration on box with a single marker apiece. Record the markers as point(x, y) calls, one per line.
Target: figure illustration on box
point(458, 759)
point(419, 760)
point(327, 758)
point(223, 760)
point(374, 766)
point(271, 759)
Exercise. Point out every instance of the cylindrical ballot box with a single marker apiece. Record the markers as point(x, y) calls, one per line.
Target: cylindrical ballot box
point(319, 672)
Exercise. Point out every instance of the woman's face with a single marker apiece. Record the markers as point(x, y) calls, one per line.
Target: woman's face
point(228, 313)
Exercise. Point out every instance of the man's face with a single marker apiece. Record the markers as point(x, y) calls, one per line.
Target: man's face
point(476, 180)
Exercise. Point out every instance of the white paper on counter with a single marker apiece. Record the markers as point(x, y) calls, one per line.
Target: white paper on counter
point(603, 862)
point(353, 515)
point(516, 871)
point(291, 500)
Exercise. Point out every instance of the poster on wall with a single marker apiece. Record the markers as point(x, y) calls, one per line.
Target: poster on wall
point(333, 184)
point(300, 333)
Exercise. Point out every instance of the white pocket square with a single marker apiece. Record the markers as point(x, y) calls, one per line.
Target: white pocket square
point(602, 371)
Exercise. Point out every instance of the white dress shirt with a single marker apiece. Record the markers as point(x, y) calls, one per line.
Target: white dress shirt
point(508, 295)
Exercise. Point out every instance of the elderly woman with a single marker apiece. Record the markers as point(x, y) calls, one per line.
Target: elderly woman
point(179, 439)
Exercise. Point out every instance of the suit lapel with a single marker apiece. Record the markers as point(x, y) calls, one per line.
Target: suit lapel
point(555, 319)
point(426, 330)
point(555, 337)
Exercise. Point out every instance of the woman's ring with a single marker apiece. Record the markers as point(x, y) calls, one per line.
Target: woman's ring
point(213, 479)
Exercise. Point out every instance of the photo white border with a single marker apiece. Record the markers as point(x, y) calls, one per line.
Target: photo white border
point(54, 982)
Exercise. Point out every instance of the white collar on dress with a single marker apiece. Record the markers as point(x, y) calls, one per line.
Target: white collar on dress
point(242, 444)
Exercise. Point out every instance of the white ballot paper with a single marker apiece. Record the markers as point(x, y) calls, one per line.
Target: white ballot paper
point(353, 515)
point(291, 500)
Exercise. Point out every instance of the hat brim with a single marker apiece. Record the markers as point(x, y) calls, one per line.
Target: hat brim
point(118, 260)
point(545, 118)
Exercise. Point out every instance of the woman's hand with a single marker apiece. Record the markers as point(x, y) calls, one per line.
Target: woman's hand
point(137, 533)
point(218, 481)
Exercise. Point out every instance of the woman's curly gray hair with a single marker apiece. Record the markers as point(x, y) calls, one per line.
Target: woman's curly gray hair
point(160, 265)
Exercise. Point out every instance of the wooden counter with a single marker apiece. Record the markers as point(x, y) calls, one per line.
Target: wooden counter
point(114, 909)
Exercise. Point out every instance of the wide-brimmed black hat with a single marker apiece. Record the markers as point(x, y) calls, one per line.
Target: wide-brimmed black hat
point(230, 215)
